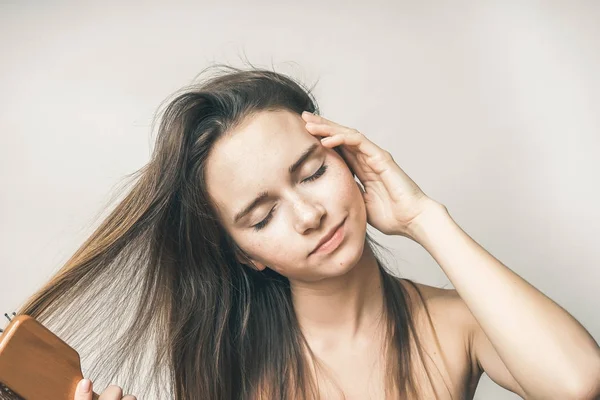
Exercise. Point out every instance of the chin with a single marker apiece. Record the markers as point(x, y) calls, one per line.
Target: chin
point(346, 257)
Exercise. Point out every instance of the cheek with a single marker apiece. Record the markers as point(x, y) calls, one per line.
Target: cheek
point(269, 249)
point(342, 185)
point(344, 189)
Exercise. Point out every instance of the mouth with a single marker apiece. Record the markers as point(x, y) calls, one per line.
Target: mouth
point(332, 240)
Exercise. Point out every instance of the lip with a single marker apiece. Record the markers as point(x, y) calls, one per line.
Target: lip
point(326, 245)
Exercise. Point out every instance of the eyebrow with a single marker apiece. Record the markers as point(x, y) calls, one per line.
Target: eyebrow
point(262, 196)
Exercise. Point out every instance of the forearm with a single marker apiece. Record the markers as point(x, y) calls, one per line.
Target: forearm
point(539, 342)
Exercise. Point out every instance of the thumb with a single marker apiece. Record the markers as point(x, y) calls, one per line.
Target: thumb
point(84, 390)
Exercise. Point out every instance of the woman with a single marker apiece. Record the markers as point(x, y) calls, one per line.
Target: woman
point(239, 267)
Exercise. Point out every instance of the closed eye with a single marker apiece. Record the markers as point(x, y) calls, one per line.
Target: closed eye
point(316, 175)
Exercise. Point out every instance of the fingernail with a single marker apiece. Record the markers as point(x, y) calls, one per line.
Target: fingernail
point(307, 113)
point(85, 385)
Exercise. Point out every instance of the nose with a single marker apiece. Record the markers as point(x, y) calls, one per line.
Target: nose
point(308, 213)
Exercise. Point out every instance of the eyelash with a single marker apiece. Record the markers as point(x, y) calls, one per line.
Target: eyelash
point(316, 175)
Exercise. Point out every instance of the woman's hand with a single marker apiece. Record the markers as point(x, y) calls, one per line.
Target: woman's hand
point(84, 391)
point(393, 201)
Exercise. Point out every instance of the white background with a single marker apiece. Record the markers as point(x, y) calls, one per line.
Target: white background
point(492, 107)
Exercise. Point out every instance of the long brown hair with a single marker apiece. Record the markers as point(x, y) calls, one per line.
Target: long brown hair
point(155, 299)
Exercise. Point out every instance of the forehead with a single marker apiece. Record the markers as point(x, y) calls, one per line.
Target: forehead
point(254, 157)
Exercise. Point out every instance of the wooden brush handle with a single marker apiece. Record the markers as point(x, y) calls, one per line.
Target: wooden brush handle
point(37, 364)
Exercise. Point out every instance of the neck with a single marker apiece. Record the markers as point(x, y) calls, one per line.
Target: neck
point(343, 308)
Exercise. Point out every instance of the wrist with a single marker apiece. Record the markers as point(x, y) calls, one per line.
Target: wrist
point(428, 219)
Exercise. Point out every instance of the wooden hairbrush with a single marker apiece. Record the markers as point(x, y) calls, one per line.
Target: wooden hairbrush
point(35, 364)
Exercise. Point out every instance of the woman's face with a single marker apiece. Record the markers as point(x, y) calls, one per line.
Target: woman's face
point(283, 229)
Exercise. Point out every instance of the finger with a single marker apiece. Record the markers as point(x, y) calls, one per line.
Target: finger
point(326, 130)
point(329, 128)
point(321, 129)
point(317, 119)
point(129, 397)
point(329, 131)
point(326, 124)
point(352, 137)
point(308, 116)
point(329, 142)
point(349, 137)
point(84, 390)
point(350, 160)
point(112, 392)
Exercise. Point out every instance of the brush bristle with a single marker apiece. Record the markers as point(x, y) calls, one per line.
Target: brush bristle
point(7, 394)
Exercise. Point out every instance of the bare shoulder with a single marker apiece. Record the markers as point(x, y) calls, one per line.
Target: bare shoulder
point(449, 314)
point(459, 331)
point(443, 304)
point(450, 318)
